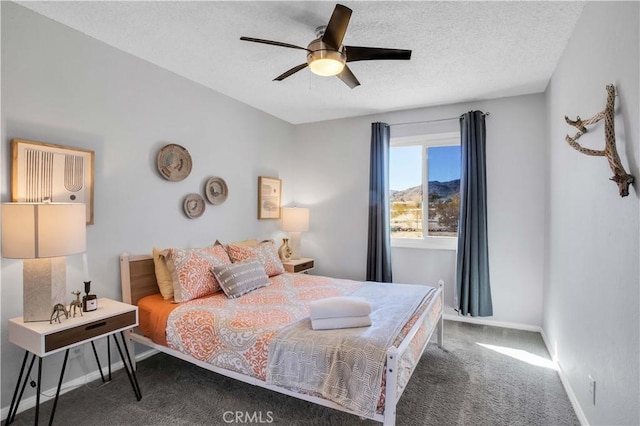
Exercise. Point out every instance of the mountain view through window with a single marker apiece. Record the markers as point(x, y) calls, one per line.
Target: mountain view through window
point(441, 165)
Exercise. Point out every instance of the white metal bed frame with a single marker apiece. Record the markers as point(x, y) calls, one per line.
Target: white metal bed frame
point(392, 396)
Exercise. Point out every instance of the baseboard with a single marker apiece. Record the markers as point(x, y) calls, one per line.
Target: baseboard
point(146, 354)
point(27, 403)
point(476, 320)
point(565, 382)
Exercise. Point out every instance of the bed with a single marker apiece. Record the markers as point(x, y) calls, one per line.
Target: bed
point(256, 322)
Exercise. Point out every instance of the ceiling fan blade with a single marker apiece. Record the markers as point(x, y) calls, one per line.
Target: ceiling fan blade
point(355, 53)
point(273, 43)
point(337, 26)
point(290, 72)
point(348, 78)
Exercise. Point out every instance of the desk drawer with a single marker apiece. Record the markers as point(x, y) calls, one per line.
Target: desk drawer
point(87, 331)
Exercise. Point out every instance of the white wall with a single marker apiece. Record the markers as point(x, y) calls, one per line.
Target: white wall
point(60, 86)
point(591, 291)
point(332, 178)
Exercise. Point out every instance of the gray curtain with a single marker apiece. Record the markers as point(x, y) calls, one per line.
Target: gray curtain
point(472, 278)
point(379, 244)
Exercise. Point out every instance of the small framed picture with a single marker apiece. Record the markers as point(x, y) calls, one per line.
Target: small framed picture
point(43, 172)
point(269, 196)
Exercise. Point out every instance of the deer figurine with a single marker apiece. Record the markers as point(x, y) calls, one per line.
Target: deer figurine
point(75, 304)
point(620, 176)
point(58, 309)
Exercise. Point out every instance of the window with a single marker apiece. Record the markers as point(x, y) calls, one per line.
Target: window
point(425, 168)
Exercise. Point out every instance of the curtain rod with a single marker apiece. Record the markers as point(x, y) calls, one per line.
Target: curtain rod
point(485, 114)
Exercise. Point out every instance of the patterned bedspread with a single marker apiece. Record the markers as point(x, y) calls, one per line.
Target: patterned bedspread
point(345, 365)
point(235, 333)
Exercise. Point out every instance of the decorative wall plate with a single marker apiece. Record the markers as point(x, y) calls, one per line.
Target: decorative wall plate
point(193, 205)
point(174, 162)
point(216, 190)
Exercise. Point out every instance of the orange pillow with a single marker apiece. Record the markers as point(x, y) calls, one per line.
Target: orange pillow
point(191, 271)
point(265, 252)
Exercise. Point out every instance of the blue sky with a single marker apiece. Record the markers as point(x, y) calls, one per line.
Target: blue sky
point(405, 165)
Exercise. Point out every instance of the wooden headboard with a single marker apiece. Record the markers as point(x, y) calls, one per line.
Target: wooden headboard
point(137, 277)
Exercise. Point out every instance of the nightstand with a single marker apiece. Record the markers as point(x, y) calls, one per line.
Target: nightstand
point(41, 339)
point(303, 264)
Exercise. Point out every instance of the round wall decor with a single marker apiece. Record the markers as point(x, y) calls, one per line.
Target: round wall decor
point(216, 190)
point(174, 162)
point(193, 205)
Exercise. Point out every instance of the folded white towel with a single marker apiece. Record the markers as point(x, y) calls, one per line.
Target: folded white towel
point(342, 322)
point(338, 307)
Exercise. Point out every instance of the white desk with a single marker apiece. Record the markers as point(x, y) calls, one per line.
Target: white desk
point(41, 339)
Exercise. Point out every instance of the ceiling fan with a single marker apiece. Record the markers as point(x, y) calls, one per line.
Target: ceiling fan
point(326, 56)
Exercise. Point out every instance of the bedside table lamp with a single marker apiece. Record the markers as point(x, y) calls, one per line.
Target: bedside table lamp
point(42, 234)
point(295, 220)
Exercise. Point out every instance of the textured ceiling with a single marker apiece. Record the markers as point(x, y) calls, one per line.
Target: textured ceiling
point(462, 51)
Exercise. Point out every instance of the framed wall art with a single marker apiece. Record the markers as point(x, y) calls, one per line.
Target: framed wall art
point(269, 196)
point(46, 172)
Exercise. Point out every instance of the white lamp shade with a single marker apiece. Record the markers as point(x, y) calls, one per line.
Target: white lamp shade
point(37, 230)
point(295, 219)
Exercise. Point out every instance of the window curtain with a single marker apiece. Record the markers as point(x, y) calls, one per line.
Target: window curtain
point(379, 240)
point(472, 278)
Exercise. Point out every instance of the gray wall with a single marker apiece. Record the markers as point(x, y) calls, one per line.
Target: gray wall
point(559, 233)
point(62, 87)
point(332, 178)
point(591, 290)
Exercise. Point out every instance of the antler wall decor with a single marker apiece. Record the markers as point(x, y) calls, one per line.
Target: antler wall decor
point(620, 176)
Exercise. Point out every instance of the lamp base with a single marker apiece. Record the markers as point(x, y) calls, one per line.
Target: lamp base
point(44, 285)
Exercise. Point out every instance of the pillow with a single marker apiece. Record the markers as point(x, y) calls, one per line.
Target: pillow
point(245, 243)
point(220, 253)
point(191, 271)
point(163, 275)
point(265, 252)
point(241, 278)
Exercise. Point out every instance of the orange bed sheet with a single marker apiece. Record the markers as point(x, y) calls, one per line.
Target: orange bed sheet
point(153, 312)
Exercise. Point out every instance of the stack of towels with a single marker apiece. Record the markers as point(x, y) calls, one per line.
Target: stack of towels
point(340, 312)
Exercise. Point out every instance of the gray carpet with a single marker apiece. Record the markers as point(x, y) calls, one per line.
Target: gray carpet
point(464, 384)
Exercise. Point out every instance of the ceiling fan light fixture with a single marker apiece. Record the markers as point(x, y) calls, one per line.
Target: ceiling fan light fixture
point(326, 67)
point(327, 56)
point(323, 60)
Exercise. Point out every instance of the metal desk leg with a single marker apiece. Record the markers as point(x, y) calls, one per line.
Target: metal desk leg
point(55, 401)
point(109, 356)
point(38, 390)
point(95, 353)
point(131, 366)
point(15, 400)
point(128, 367)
